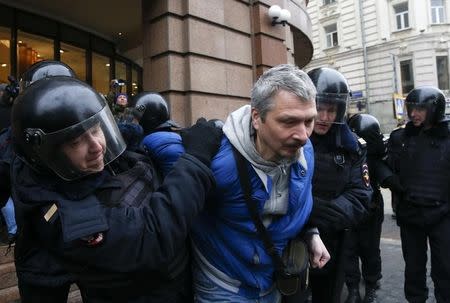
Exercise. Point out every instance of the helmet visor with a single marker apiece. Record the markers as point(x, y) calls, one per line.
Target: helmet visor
point(80, 149)
point(331, 108)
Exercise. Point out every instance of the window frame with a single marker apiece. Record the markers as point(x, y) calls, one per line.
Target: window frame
point(437, 10)
point(444, 70)
point(403, 15)
point(410, 82)
point(331, 36)
point(328, 2)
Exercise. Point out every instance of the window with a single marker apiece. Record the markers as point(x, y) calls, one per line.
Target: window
point(100, 73)
point(437, 11)
point(134, 82)
point(121, 70)
point(74, 57)
point(5, 66)
point(325, 2)
point(401, 15)
point(406, 70)
point(442, 72)
point(331, 35)
point(31, 49)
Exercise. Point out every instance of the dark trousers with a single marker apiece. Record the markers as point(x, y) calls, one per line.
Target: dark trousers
point(30, 293)
point(414, 246)
point(327, 288)
point(364, 244)
point(326, 283)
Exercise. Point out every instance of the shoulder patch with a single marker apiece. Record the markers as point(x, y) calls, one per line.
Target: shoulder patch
point(365, 174)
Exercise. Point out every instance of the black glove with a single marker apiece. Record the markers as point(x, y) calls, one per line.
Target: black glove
point(202, 140)
point(327, 216)
point(375, 144)
point(393, 183)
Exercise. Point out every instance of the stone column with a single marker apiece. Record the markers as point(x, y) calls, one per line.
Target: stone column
point(204, 55)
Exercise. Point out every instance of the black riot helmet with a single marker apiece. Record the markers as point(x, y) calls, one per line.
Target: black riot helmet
point(54, 111)
point(364, 125)
point(332, 89)
point(429, 98)
point(153, 112)
point(45, 69)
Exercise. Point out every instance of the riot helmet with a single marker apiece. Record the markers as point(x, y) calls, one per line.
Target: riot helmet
point(45, 69)
point(153, 112)
point(332, 92)
point(53, 115)
point(364, 125)
point(430, 99)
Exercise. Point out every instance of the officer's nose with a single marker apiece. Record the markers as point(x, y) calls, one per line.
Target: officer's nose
point(94, 144)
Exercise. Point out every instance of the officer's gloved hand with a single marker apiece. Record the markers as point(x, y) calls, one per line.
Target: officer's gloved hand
point(202, 140)
point(375, 144)
point(394, 184)
point(327, 216)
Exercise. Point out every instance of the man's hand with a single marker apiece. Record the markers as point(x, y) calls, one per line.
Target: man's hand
point(318, 253)
point(202, 140)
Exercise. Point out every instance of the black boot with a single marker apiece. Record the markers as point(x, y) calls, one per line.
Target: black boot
point(371, 295)
point(353, 295)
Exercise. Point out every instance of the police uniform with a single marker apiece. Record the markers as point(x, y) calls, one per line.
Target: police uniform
point(422, 162)
point(111, 231)
point(341, 178)
point(364, 240)
point(113, 227)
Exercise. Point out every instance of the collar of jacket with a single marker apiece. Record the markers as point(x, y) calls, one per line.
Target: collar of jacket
point(338, 137)
point(439, 131)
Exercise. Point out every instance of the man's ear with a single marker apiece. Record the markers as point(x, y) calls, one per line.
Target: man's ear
point(256, 119)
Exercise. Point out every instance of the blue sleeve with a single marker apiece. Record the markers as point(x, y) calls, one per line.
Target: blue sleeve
point(164, 148)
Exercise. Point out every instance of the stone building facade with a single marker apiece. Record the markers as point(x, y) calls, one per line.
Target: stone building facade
point(383, 47)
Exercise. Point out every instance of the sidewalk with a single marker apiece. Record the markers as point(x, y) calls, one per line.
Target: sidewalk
point(393, 266)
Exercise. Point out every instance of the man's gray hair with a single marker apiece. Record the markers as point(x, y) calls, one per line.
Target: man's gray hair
point(286, 77)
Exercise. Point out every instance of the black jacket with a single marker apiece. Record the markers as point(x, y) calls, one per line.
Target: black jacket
point(421, 159)
point(341, 178)
point(118, 250)
point(340, 173)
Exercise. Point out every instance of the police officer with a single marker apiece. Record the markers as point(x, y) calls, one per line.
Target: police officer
point(153, 113)
point(341, 187)
point(420, 152)
point(44, 69)
point(154, 116)
point(99, 211)
point(40, 277)
point(364, 240)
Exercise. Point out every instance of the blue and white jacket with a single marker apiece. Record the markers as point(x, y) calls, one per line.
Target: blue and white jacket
point(226, 244)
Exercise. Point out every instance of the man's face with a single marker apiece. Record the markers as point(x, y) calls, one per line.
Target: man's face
point(326, 115)
point(86, 151)
point(285, 128)
point(418, 115)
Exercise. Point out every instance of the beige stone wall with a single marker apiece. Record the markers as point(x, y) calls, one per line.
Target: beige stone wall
point(204, 55)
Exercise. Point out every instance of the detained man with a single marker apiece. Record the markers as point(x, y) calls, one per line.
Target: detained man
point(269, 141)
